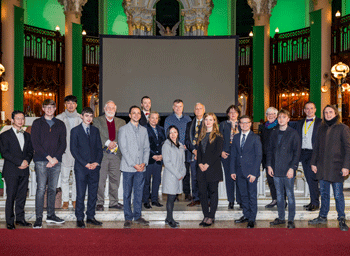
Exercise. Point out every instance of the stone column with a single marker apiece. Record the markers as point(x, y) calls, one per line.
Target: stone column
point(72, 11)
point(324, 50)
point(8, 49)
point(262, 13)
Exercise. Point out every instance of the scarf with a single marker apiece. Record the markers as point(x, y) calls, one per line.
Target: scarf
point(269, 125)
point(332, 121)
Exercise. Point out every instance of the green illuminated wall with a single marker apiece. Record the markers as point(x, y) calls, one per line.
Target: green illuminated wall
point(345, 7)
point(289, 15)
point(44, 14)
point(116, 18)
point(218, 21)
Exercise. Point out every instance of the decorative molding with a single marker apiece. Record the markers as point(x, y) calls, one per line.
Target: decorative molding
point(262, 6)
point(75, 6)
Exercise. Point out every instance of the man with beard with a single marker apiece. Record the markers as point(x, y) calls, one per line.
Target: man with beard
point(109, 126)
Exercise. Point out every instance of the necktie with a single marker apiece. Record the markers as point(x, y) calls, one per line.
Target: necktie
point(243, 141)
point(88, 131)
point(155, 131)
point(309, 120)
point(196, 132)
point(20, 131)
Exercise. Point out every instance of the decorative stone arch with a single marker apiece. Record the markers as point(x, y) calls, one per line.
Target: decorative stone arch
point(195, 14)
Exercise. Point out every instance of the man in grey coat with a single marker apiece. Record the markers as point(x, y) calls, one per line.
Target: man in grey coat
point(71, 119)
point(109, 126)
point(134, 146)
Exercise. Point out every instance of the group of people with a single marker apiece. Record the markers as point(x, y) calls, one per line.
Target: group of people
point(193, 153)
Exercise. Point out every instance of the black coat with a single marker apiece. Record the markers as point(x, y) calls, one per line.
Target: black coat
point(154, 143)
point(189, 137)
point(281, 157)
point(13, 155)
point(143, 120)
point(212, 157)
point(331, 152)
point(225, 129)
point(264, 137)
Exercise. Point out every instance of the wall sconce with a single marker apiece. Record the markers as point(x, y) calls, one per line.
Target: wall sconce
point(83, 33)
point(4, 86)
point(337, 14)
point(277, 30)
point(251, 34)
point(340, 71)
point(2, 69)
point(57, 28)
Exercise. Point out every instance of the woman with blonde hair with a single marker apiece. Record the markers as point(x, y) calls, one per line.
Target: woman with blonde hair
point(210, 144)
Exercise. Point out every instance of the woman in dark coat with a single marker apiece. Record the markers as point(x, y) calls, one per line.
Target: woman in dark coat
point(209, 153)
point(331, 163)
point(228, 129)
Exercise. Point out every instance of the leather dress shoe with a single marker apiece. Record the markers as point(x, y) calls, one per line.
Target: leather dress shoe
point(251, 224)
point(127, 224)
point(147, 205)
point(312, 208)
point(194, 203)
point(188, 198)
point(157, 204)
point(272, 204)
point(167, 222)
point(306, 205)
point(230, 205)
point(342, 225)
point(318, 220)
point(80, 224)
point(23, 223)
point(65, 205)
point(100, 207)
point(117, 206)
point(10, 226)
point(242, 220)
point(277, 221)
point(172, 224)
point(208, 222)
point(291, 225)
point(94, 222)
point(203, 221)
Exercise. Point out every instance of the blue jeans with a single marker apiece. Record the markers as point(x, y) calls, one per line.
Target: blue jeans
point(338, 196)
point(284, 184)
point(133, 182)
point(49, 176)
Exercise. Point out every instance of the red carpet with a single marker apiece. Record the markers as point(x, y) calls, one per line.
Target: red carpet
point(312, 241)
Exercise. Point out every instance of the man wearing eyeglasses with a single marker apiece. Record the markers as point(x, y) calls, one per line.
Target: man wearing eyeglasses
point(49, 143)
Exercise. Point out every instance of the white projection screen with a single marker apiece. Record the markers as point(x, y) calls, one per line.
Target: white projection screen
point(194, 69)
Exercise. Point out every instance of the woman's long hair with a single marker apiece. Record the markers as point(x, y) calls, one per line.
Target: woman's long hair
point(215, 132)
point(177, 144)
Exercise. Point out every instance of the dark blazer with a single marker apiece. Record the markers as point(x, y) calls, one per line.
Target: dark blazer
point(247, 160)
point(317, 124)
point(225, 129)
point(331, 152)
point(189, 137)
point(281, 157)
point(13, 155)
point(212, 157)
point(85, 150)
point(154, 143)
point(143, 121)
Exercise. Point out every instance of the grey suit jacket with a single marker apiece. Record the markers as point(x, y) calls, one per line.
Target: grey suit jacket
point(101, 123)
point(67, 158)
point(133, 152)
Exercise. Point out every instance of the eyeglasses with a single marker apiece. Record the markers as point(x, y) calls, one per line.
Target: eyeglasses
point(49, 107)
point(245, 122)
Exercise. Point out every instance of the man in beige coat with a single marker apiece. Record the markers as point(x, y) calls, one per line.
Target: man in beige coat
point(109, 126)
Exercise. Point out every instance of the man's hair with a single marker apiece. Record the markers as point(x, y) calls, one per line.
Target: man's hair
point(246, 116)
point(283, 111)
point(144, 97)
point(111, 101)
point(178, 101)
point(154, 112)
point(310, 102)
point(87, 110)
point(71, 98)
point(235, 108)
point(16, 112)
point(332, 107)
point(134, 107)
point(49, 102)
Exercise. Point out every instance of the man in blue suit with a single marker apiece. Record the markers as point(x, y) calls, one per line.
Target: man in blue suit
point(246, 155)
point(86, 148)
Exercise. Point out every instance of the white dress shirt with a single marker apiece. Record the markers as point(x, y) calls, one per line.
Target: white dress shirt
point(20, 137)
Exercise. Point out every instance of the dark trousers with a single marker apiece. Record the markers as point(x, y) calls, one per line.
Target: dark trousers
point(85, 178)
point(152, 170)
point(208, 189)
point(231, 184)
point(305, 159)
point(170, 207)
point(270, 180)
point(186, 180)
point(249, 196)
point(194, 168)
point(16, 189)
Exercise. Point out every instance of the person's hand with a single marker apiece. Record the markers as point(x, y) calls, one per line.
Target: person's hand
point(233, 176)
point(112, 145)
point(201, 166)
point(88, 166)
point(23, 165)
point(270, 171)
point(345, 171)
point(185, 147)
point(137, 167)
point(290, 173)
point(55, 161)
point(224, 155)
point(314, 168)
point(194, 152)
point(160, 158)
point(155, 157)
point(251, 178)
point(94, 165)
point(206, 166)
point(181, 178)
point(49, 165)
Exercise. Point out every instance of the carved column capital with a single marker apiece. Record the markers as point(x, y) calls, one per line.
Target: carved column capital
point(75, 6)
point(262, 6)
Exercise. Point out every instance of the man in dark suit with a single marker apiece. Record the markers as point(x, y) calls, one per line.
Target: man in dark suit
point(17, 150)
point(193, 130)
point(146, 105)
point(156, 137)
point(307, 129)
point(86, 148)
point(246, 155)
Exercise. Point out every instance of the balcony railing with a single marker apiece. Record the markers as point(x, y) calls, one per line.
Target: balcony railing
point(91, 51)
